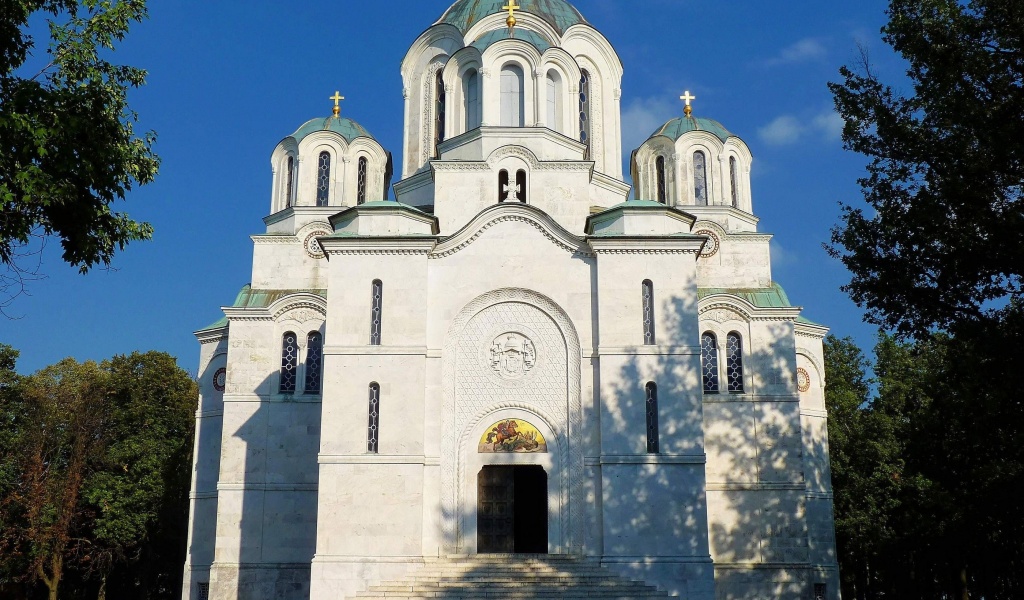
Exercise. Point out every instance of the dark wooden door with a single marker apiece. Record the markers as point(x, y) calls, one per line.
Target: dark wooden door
point(495, 525)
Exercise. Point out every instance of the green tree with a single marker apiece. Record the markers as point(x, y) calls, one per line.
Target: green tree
point(69, 149)
point(940, 243)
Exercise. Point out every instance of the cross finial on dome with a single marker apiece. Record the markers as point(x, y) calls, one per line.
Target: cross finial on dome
point(687, 97)
point(511, 7)
point(337, 97)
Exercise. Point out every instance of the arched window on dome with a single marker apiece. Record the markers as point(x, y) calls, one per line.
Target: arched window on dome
point(471, 87)
point(651, 391)
point(513, 100)
point(735, 180)
point(700, 178)
point(373, 425)
point(734, 363)
point(289, 190)
point(554, 113)
point(289, 363)
point(439, 113)
point(709, 362)
point(659, 166)
point(323, 179)
point(585, 111)
point(361, 180)
point(314, 362)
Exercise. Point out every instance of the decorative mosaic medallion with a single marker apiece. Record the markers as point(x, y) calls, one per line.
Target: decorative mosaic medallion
point(803, 380)
point(713, 244)
point(312, 246)
point(220, 379)
point(513, 355)
point(512, 436)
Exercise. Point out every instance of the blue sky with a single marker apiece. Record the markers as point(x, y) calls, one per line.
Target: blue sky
point(230, 79)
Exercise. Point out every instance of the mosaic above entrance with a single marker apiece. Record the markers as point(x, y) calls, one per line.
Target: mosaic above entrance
point(512, 436)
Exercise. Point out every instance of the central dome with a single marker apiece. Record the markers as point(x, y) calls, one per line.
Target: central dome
point(558, 13)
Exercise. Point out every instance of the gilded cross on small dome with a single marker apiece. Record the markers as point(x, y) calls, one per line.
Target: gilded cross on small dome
point(337, 97)
point(511, 7)
point(687, 97)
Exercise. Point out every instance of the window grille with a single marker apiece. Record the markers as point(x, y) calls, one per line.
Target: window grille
point(734, 362)
point(820, 591)
point(376, 307)
point(439, 119)
point(585, 111)
point(323, 179)
point(709, 362)
point(289, 190)
point(289, 362)
point(700, 178)
point(734, 178)
point(373, 428)
point(652, 418)
point(204, 591)
point(361, 181)
point(648, 302)
point(314, 362)
point(662, 188)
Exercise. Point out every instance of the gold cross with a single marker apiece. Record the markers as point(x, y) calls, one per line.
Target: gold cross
point(511, 7)
point(337, 97)
point(687, 97)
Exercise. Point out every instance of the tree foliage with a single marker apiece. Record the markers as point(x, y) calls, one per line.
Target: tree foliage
point(68, 149)
point(945, 178)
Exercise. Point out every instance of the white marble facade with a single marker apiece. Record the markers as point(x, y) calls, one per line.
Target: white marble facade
point(345, 392)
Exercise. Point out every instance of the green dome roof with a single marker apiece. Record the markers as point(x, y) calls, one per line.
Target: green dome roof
point(558, 13)
point(524, 35)
point(675, 128)
point(343, 126)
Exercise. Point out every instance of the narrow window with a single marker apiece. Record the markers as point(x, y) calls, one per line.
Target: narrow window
point(471, 85)
point(503, 188)
point(204, 591)
point(361, 181)
point(521, 185)
point(289, 362)
point(648, 300)
point(289, 199)
point(376, 306)
point(373, 428)
point(323, 179)
point(734, 362)
point(314, 362)
point(513, 107)
point(734, 178)
point(820, 591)
point(700, 178)
point(662, 189)
point(439, 111)
point(652, 417)
point(709, 362)
point(554, 116)
point(585, 111)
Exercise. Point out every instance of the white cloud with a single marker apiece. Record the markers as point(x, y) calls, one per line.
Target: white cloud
point(805, 50)
point(782, 257)
point(788, 129)
point(641, 118)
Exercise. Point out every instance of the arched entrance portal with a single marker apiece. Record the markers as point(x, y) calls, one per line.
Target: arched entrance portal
point(512, 510)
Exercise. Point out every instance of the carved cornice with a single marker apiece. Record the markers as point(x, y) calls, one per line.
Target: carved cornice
point(511, 212)
point(646, 245)
point(748, 311)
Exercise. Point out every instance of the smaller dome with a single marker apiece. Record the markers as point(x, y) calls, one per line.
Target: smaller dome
point(558, 13)
point(343, 126)
point(675, 128)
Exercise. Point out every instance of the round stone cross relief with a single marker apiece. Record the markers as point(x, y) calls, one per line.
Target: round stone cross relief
point(512, 355)
point(803, 380)
point(713, 244)
point(312, 246)
point(220, 379)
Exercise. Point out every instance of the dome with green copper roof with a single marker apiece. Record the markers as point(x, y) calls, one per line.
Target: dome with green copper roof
point(343, 126)
point(558, 13)
point(675, 128)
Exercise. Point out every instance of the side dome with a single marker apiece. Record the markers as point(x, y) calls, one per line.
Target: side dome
point(558, 13)
point(343, 126)
point(679, 126)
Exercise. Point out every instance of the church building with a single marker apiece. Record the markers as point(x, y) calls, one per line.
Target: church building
point(517, 375)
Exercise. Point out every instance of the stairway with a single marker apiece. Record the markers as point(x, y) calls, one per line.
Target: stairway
point(526, 577)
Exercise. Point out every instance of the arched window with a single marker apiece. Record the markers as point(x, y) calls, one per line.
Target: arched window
point(585, 111)
point(734, 178)
point(700, 178)
point(376, 308)
point(361, 181)
point(554, 113)
point(513, 100)
point(289, 190)
point(503, 187)
point(323, 178)
point(652, 417)
point(734, 362)
point(648, 302)
point(471, 86)
point(659, 166)
point(439, 113)
point(521, 185)
point(709, 362)
point(373, 427)
point(289, 362)
point(314, 362)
